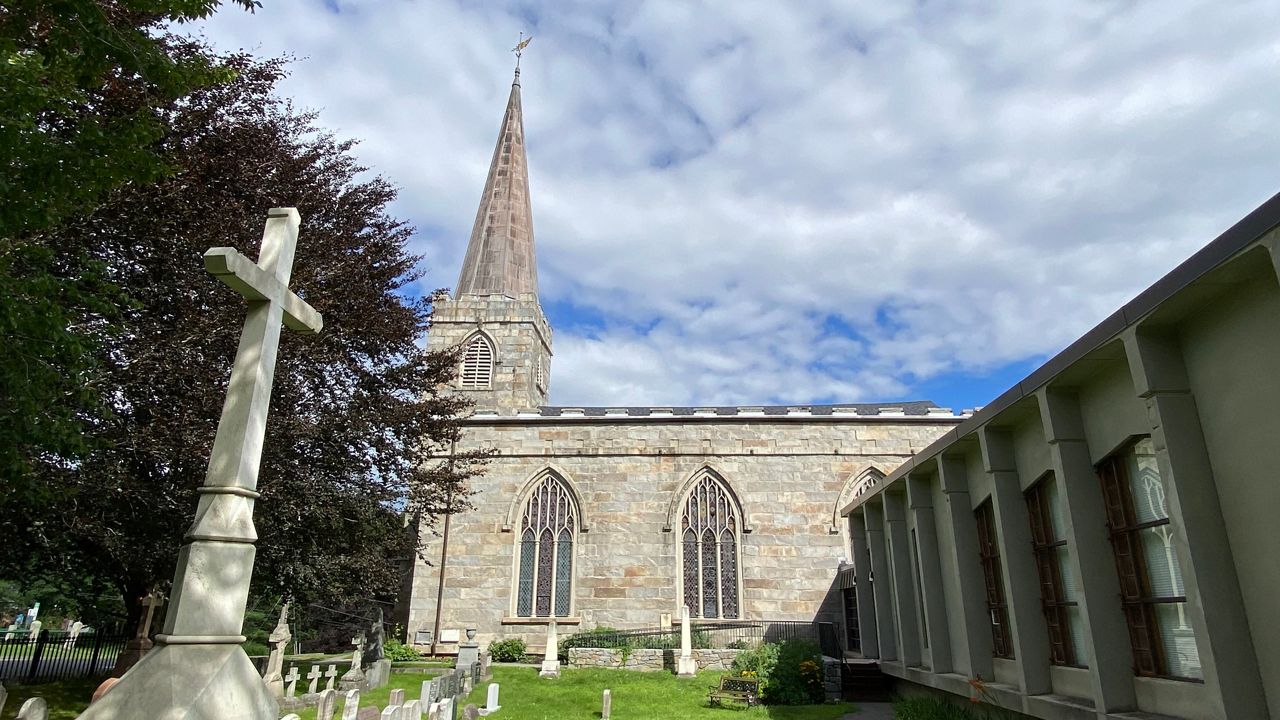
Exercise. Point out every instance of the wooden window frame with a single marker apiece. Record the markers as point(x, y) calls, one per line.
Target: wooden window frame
point(1136, 596)
point(989, 558)
point(1044, 545)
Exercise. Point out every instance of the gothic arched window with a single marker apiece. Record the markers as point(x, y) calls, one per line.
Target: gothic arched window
point(477, 363)
point(545, 580)
point(709, 528)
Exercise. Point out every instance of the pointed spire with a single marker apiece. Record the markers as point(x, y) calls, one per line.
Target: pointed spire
point(500, 258)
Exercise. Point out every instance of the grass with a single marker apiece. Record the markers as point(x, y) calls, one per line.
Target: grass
point(576, 695)
point(66, 698)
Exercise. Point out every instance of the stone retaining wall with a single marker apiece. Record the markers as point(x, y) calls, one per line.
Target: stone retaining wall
point(649, 659)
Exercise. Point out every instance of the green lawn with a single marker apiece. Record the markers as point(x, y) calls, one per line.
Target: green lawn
point(576, 694)
point(66, 698)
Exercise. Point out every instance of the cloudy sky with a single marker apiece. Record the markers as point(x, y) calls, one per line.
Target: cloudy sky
point(766, 202)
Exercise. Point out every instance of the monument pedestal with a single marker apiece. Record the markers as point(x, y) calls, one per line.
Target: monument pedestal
point(468, 654)
point(550, 668)
point(188, 682)
point(686, 666)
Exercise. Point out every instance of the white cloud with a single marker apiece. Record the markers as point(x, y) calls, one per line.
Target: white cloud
point(724, 186)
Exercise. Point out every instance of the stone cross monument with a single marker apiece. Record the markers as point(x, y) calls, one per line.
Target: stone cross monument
point(198, 669)
point(279, 640)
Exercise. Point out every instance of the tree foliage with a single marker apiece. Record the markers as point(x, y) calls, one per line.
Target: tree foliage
point(81, 83)
point(357, 426)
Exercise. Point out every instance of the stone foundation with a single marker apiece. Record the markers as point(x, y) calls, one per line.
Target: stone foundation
point(650, 659)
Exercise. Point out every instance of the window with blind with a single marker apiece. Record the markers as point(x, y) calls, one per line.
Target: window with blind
point(989, 556)
point(1059, 591)
point(709, 550)
point(477, 364)
point(544, 581)
point(1151, 589)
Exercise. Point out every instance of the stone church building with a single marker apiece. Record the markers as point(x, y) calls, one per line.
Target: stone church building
point(614, 515)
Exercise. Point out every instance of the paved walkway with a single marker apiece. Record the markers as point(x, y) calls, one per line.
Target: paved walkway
point(871, 711)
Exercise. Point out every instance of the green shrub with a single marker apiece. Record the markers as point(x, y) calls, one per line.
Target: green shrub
point(790, 671)
point(509, 650)
point(397, 651)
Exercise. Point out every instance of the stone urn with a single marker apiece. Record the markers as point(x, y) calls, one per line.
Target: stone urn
point(471, 634)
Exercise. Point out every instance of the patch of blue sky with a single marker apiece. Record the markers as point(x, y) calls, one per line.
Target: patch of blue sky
point(961, 390)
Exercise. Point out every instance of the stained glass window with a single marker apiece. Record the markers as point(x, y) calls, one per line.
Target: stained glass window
point(709, 548)
point(545, 584)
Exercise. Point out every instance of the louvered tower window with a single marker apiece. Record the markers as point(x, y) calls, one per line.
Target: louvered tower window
point(709, 526)
point(477, 364)
point(545, 581)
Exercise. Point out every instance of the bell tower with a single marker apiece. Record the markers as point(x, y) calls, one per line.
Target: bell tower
point(494, 313)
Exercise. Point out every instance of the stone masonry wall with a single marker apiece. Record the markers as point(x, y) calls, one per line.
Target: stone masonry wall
point(522, 340)
point(649, 658)
point(789, 476)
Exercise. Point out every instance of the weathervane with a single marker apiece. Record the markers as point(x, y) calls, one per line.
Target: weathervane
point(519, 48)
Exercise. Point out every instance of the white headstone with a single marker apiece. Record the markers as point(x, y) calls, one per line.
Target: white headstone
point(35, 629)
point(433, 712)
point(291, 682)
point(686, 666)
point(392, 712)
point(446, 709)
point(351, 706)
point(412, 710)
point(76, 628)
point(291, 716)
point(491, 702)
point(328, 705)
point(329, 676)
point(429, 692)
point(313, 679)
point(551, 657)
point(34, 709)
point(396, 697)
point(606, 705)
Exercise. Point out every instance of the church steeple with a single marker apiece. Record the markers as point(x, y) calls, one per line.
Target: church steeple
point(494, 317)
point(500, 258)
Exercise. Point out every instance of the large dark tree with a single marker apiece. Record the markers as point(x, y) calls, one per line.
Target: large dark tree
point(81, 83)
point(357, 425)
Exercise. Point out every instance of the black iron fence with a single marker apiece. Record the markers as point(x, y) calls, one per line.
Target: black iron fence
point(55, 655)
point(741, 634)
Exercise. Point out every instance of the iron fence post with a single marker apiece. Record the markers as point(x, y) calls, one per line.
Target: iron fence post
point(93, 659)
point(36, 652)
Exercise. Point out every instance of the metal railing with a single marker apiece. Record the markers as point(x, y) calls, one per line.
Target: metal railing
point(55, 655)
point(738, 634)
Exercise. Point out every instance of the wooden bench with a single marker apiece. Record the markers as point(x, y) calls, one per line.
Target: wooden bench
point(741, 689)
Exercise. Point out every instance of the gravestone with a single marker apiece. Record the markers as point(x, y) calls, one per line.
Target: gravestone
point(140, 644)
point(291, 682)
point(328, 705)
point(76, 628)
point(551, 658)
point(471, 712)
point(373, 651)
point(35, 629)
point(469, 651)
point(606, 705)
point(354, 678)
point(392, 712)
point(412, 710)
point(313, 679)
point(351, 705)
point(198, 668)
point(329, 676)
point(491, 700)
point(686, 666)
point(34, 709)
point(486, 666)
point(279, 640)
point(396, 697)
point(446, 711)
point(430, 691)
